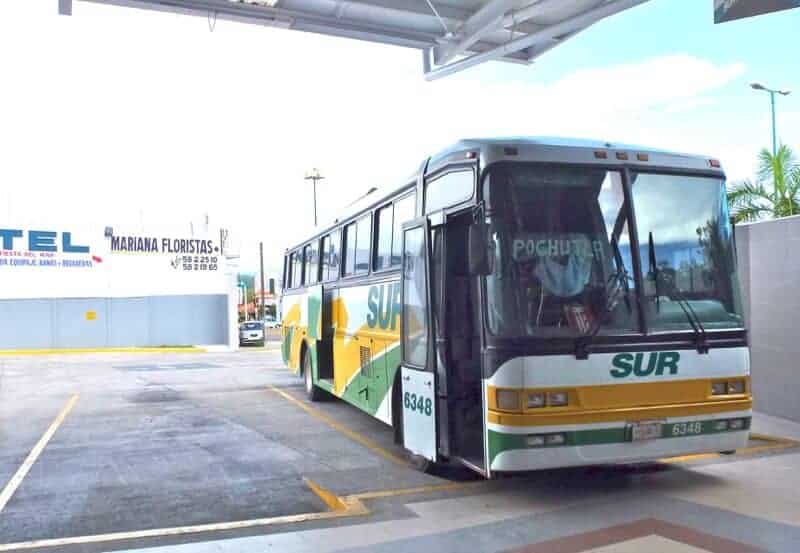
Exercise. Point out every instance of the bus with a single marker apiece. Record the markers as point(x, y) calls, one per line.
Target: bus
point(531, 303)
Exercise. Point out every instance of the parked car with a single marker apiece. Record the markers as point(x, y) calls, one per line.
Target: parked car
point(269, 322)
point(251, 332)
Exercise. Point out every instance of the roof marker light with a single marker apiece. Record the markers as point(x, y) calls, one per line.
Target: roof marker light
point(642, 157)
point(622, 156)
point(471, 155)
point(714, 163)
point(510, 151)
point(599, 154)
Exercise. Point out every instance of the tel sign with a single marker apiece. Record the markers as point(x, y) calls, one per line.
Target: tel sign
point(41, 241)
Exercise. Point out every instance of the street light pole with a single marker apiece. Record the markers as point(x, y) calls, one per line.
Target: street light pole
point(314, 175)
point(772, 93)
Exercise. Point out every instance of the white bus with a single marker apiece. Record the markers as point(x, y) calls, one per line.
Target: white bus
point(523, 304)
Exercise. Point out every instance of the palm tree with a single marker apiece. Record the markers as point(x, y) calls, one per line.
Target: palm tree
point(775, 192)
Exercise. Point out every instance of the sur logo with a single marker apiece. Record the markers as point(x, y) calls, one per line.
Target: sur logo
point(384, 307)
point(658, 363)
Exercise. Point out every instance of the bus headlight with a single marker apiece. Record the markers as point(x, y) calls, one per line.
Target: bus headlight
point(720, 426)
point(557, 399)
point(719, 388)
point(535, 441)
point(555, 439)
point(736, 424)
point(535, 400)
point(508, 400)
point(736, 387)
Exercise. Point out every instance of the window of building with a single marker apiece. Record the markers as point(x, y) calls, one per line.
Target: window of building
point(385, 226)
point(449, 189)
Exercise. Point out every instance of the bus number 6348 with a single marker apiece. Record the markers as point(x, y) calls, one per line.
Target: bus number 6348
point(420, 404)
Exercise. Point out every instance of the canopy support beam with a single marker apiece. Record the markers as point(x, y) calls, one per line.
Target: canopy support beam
point(540, 41)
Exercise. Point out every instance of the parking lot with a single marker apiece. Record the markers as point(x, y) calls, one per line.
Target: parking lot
point(212, 450)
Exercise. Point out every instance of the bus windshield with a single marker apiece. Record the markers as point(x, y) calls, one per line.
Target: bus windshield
point(562, 259)
point(562, 262)
point(692, 259)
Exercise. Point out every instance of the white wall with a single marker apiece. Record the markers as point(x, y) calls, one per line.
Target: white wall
point(769, 270)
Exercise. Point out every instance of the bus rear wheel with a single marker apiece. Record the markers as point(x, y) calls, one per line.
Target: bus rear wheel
point(312, 392)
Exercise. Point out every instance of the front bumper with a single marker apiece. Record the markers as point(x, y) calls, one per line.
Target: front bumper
point(609, 443)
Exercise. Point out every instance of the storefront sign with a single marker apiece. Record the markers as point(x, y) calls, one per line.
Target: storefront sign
point(43, 248)
point(184, 254)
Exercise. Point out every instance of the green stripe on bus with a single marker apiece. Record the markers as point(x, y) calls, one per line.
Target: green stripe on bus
point(364, 383)
point(501, 441)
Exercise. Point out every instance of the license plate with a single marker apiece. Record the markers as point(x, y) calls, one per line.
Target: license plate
point(641, 431)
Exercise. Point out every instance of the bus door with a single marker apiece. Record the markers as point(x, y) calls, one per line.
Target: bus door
point(457, 328)
point(418, 378)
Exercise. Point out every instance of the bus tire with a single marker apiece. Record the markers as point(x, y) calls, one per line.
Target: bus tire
point(312, 392)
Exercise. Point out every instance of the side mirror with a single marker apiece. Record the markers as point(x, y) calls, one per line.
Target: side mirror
point(479, 262)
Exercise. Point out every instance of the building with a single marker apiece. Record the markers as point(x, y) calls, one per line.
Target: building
point(99, 287)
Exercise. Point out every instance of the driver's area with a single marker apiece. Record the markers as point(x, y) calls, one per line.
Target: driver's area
point(561, 251)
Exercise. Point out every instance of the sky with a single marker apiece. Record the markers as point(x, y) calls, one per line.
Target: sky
point(120, 116)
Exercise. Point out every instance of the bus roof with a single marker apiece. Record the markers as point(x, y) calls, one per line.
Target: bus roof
point(534, 144)
point(533, 149)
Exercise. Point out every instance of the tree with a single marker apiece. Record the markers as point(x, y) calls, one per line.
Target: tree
point(775, 192)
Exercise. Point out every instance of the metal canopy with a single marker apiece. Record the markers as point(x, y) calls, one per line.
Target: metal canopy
point(452, 34)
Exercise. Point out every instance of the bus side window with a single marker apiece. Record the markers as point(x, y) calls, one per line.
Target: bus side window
point(403, 213)
point(324, 258)
point(312, 263)
point(306, 257)
point(297, 270)
point(350, 249)
point(449, 189)
point(363, 242)
point(334, 256)
point(384, 239)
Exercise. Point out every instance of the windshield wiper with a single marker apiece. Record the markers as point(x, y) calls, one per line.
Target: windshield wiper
point(701, 339)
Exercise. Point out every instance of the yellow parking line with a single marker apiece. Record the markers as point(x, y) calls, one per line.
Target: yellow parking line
point(15, 352)
point(418, 490)
point(333, 501)
point(340, 508)
point(775, 444)
point(369, 444)
point(19, 476)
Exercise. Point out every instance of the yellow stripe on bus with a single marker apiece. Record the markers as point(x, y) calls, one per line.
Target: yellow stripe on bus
point(556, 418)
point(638, 394)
